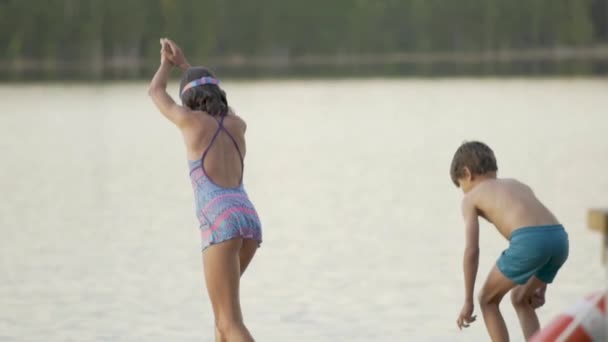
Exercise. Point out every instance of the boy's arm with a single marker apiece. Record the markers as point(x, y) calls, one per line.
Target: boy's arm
point(470, 261)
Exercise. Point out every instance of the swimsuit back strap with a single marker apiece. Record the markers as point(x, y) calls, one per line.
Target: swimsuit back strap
point(217, 132)
point(235, 145)
point(221, 127)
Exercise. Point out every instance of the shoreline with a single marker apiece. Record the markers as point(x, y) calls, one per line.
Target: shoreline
point(294, 79)
point(544, 62)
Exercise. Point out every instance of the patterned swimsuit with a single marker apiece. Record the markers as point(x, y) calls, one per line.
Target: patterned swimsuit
point(223, 213)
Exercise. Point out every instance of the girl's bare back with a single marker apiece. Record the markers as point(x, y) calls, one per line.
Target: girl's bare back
point(222, 160)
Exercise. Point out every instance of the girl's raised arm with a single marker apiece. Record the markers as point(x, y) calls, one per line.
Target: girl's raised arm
point(158, 91)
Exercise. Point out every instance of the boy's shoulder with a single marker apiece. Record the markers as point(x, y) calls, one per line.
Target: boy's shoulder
point(501, 183)
point(472, 198)
point(513, 184)
point(491, 188)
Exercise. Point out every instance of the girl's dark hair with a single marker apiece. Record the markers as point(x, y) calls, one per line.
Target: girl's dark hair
point(476, 156)
point(209, 98)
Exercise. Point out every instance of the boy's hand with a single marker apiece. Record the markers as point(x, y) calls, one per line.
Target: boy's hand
point(466, 316)
point(537, 299)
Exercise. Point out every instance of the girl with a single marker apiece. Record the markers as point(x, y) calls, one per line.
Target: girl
point(215, 144)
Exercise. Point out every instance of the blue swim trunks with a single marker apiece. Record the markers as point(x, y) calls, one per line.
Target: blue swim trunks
point(534, 251)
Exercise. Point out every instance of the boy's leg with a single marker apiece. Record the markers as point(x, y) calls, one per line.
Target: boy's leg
point(494, 289)
point(520, 297)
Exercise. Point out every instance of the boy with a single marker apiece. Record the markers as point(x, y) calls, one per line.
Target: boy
point(538, 244)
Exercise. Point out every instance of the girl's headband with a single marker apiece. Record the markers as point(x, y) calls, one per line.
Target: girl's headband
point(199, 82)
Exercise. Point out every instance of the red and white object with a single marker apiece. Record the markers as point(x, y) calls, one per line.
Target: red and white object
point(585, 321)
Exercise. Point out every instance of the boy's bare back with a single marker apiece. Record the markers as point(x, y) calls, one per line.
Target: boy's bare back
point(509, 205)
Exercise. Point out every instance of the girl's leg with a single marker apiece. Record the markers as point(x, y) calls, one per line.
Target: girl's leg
point(495, 287)
point(247, 252)
point(222, 275)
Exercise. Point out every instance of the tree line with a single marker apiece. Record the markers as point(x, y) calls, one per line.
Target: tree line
point(119, 38)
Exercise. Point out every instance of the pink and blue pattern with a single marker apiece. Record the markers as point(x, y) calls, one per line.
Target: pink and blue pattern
point(223, 213)
point(199, 82)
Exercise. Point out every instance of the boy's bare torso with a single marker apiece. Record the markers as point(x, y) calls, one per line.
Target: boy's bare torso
point(509, 205)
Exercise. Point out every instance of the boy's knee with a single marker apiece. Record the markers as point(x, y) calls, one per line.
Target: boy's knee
point(485, 299)
point(518, 299)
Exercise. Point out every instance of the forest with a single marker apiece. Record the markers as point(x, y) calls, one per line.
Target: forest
point(94, 39)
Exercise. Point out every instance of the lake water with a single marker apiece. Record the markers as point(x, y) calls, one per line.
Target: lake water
point(362, 227)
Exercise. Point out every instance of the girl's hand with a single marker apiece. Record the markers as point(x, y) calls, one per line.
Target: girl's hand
point(177, 56)
point(165, 53)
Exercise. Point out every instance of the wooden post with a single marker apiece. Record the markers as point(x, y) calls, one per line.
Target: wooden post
point(597, 219)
